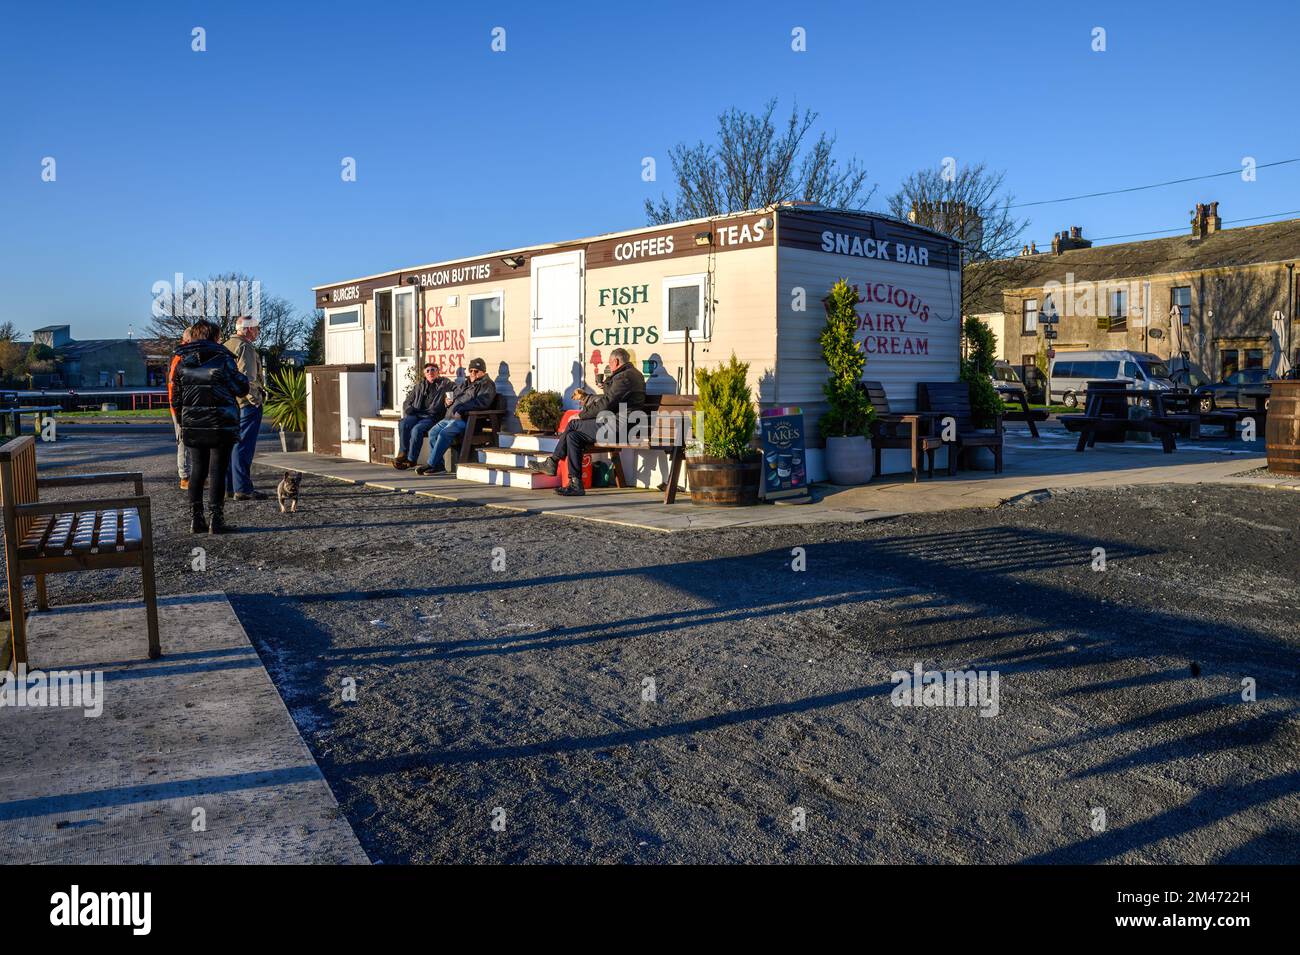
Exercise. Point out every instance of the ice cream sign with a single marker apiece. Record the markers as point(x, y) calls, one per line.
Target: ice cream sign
point(894, 322)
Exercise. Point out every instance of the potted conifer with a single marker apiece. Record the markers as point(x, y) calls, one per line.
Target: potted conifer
point(847, 422)
point(721, 463)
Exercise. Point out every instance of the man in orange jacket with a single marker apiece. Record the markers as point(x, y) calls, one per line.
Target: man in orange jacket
point(182, 457)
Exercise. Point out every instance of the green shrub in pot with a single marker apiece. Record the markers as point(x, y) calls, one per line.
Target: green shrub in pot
point(722, 465)
point(540, 410)
point(286, 406)
point(847, 420)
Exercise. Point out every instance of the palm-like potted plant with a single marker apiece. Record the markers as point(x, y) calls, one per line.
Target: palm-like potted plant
point(539, 411)
point(723, 466)
point(847, 421)
point(286, 406)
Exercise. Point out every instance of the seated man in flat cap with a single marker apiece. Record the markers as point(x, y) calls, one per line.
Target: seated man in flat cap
point(475, 393)
point(624, 395)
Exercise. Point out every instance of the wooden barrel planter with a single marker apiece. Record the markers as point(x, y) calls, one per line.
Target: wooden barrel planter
point(1282, 427)
point(721, 482)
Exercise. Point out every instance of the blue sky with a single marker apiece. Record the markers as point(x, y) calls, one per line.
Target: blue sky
point(174, 161)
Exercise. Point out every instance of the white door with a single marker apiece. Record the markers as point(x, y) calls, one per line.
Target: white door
point(557, 323)
point(403, 344)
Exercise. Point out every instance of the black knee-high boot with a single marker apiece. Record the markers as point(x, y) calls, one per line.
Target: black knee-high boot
point(218, 522)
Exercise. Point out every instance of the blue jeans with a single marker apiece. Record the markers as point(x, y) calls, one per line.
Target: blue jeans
point(241, 460)
point(410, 435)
point(441, 437)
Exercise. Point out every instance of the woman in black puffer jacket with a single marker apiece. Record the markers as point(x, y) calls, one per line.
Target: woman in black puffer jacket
point(205, 387)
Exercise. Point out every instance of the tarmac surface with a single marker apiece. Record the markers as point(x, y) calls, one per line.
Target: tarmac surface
point(534, 690)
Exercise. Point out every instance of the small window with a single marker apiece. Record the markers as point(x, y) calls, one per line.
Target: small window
point(343, 318)
point(1029, 317)
point(686, 307)
point(486, 314)
point(1254, 358)
point(1180, 297)
point(1228, 363)
point(1119, 304)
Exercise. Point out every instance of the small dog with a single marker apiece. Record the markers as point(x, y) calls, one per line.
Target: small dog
point(286, 492)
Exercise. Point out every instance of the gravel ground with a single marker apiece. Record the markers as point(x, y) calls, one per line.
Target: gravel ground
point(519, 695)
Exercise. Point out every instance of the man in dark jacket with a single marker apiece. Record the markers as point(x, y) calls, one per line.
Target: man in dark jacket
point(624, 395)
point(475, 393)
point(206, 387)
point(423, 408)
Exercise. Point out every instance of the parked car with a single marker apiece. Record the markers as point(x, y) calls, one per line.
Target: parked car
point(1241, 389)
point(1035, 383)
point(1071, 371)
point(1007, 382)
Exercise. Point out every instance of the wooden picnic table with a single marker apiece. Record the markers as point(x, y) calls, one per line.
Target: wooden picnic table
point(1184, 407)
point(1106, 413)
point(1025, 414)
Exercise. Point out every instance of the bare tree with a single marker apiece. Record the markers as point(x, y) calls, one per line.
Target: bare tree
point(752, 164)
point(8, 331)
point(316, 337)
point(222, 299)
point(968, 202)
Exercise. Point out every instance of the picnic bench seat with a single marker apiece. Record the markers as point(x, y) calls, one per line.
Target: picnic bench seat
point(1185, 412)
point(56, 537)
point(481, 428)
point(670, 429)
point(951, 399)
point(900, 431)
point(1106, 415)
point(1030, 416)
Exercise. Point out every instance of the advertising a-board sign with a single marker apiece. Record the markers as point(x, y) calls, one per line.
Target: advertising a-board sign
point(785, 463)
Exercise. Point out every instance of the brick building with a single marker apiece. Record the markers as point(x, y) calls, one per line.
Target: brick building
point(1225, 298)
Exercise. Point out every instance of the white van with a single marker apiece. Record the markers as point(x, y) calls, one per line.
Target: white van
point(1071, 371)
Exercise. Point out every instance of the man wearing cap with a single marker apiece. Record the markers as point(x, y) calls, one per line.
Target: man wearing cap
point(624, 395)
point(475, 393)
point(250, 409)
point(422, 409)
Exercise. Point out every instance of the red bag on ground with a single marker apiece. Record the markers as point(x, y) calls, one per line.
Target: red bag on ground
point(563, 470)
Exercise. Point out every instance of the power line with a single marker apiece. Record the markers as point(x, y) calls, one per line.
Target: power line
point(1154, 185)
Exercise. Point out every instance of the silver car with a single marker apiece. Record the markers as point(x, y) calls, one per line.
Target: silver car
point(1071, 371)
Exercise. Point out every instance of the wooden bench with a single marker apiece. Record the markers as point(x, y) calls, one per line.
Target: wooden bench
point(1106, 415)
point(905, 432)
point(669, 430)
point(57, 537)
point(951, 399)
point(481, 429)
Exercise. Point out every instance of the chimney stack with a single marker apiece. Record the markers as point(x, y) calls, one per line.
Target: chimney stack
point(1205, 220)
point(1073, 239)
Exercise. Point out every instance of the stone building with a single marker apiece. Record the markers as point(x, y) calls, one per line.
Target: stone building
point(95, 363)
point(1224, 298)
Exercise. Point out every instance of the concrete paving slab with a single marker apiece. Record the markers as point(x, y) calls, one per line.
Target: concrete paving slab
point(202, 728)
point(1047, 463)
point(628, 507)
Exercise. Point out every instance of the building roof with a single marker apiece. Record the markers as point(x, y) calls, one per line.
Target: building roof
point(77, 348)
point(1227, 248)
point(780, 207)
point(52, 328)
